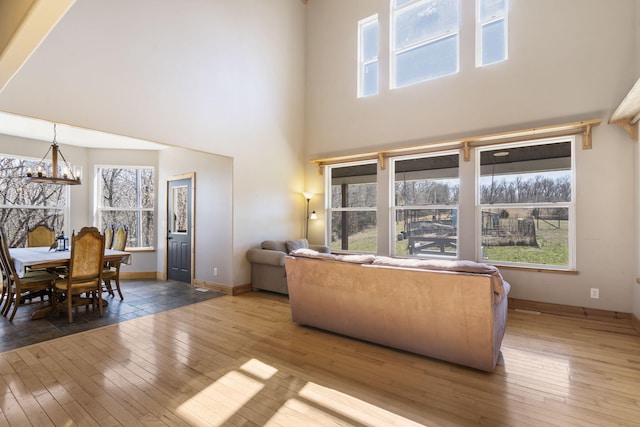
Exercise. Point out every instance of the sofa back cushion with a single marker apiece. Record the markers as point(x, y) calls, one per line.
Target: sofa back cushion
point(293, 245)
point(274, 245)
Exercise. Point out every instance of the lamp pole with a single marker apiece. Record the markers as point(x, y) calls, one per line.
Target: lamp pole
point(308, 197)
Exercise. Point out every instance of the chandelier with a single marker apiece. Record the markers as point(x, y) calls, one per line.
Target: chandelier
point(65, 174)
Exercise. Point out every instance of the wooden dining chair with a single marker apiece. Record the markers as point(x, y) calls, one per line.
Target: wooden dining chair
point(20, 289)
point(85, 271)
point(40, 235)
point(112, 268)
point(108, 236)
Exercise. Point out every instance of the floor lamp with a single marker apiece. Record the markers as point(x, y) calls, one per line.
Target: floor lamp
point(308, 216)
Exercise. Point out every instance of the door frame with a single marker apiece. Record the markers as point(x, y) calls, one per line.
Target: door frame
point(192, 207)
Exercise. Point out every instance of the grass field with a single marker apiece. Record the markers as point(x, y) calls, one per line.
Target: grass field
point(552, 238)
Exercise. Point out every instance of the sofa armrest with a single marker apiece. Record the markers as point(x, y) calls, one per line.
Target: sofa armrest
point(321, 248)
point(266, 256)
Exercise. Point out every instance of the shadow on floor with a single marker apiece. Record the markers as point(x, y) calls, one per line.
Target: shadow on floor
point(141, 298)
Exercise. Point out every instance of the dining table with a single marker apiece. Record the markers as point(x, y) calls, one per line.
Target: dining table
point(46, 258)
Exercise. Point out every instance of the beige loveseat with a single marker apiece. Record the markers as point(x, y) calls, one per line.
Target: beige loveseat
point(450, 310)
point(267, 263)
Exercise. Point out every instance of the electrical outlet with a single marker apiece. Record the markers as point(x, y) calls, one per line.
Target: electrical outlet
point(595, 293)
point(215, 272)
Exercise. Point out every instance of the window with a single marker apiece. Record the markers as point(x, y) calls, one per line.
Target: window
point(368, 56)
point(525, 199)
point(126, 195)
point(491, 31)
point(426, 205)
point(25, 205)
point(352, 207)
point(425, 40)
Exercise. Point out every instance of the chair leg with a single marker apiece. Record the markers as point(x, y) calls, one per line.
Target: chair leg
point(70, 307)
point(118, 287)
point(16, 303)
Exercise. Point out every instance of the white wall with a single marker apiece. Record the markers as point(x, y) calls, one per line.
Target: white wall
point(568, 61)
point(224, 77)
point(213, 202)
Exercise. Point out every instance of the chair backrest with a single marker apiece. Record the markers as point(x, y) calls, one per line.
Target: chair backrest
point(87, 255)
point(120, 238)
point(41, 235)
point(108, 236)
point(6, 262)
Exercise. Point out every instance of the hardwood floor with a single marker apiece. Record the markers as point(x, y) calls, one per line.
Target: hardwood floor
point(241, 361)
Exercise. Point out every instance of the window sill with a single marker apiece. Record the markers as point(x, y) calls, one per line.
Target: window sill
point(536, 269)
point(140, 249)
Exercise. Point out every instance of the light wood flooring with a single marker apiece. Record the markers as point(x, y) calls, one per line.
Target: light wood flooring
point(239, 360)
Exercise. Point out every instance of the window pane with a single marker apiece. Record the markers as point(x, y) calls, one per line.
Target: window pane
point(119, 188)
point(493, 42)
point(147, 230)
point(526, 235)
point(147, 188)
point(424, 22)
point(427, 181)
point(492, 8)
point(433, 60)
point(370, 79)
point(530, 174)
point(370, 41)
point(354, 231)
point(426, 232)
point(16, 222)
point(399, 3)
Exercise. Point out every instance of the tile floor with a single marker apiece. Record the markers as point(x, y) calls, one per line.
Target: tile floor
point(141, 298)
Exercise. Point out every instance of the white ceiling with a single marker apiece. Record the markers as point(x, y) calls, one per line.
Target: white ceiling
point(27, 127)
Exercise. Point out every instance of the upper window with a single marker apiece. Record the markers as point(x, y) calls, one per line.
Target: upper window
point(491, 31)
point(426, 205)
point(425, 40)
point(126, 195)
point(525, 196)
point(368, 56)
point(26, 205)
point(352, 210)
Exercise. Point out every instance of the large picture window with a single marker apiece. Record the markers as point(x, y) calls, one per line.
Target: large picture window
point(426, 205)
point(126, 195)
point(26, 205)
point(424, 39)
point(526, 203)
point(352, 207)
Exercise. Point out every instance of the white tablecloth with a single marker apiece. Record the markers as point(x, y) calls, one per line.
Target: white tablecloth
point(26, 257)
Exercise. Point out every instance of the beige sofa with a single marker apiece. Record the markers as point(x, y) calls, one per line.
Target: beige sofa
point(452, 310)
point(267, 263)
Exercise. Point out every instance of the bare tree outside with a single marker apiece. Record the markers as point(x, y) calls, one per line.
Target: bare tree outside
point(127, 196)
point(26, 205)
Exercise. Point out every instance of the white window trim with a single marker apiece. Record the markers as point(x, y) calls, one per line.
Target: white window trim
point(393, 232)
point(480, 25)
point(571, 266)
point(98, 196)
point(394, 53)
point(363, 62)
point(328, 209)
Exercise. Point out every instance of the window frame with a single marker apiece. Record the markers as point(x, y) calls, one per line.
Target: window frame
point(64, 209)
point(363, 62)
point(481, 24)
point(395, 208)
point(394, 53)
point(139, 209)
point(329, 210)
point(570, 205)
